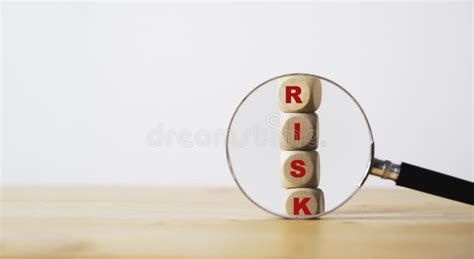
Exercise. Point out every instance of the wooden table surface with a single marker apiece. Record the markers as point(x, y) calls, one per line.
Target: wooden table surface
point(141, 222)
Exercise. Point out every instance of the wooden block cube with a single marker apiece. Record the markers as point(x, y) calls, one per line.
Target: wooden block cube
point(304, 202)
point(299, 93)
point(299, 131)
point(299, 169)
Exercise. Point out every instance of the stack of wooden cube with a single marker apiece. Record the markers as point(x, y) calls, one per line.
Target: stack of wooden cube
point(299, 98)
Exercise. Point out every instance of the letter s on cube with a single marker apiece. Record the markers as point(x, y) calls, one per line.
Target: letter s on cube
point(299, 169)
point(299, 93)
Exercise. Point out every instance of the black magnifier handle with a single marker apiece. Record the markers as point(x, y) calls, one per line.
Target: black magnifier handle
point(425, 180)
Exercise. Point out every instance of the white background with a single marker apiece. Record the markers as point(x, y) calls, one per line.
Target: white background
point(85, 84)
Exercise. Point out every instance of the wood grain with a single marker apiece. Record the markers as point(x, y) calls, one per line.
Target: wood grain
point(146, 222)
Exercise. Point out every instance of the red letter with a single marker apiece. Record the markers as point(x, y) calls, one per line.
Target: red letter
point(297, 206)
point(297, 165)
point(297, 131)
point(293, 91)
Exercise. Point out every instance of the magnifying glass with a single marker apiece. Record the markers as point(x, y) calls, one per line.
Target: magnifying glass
point(300, 146)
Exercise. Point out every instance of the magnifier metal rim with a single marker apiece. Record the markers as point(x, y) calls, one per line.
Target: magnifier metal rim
point(369, 163)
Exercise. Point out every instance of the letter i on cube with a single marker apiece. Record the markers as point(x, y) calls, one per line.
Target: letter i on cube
point(299, 97)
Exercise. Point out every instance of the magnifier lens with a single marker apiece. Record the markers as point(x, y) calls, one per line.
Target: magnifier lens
point(263, 170)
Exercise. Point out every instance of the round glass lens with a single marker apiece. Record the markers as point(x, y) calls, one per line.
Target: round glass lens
point(299, 146)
